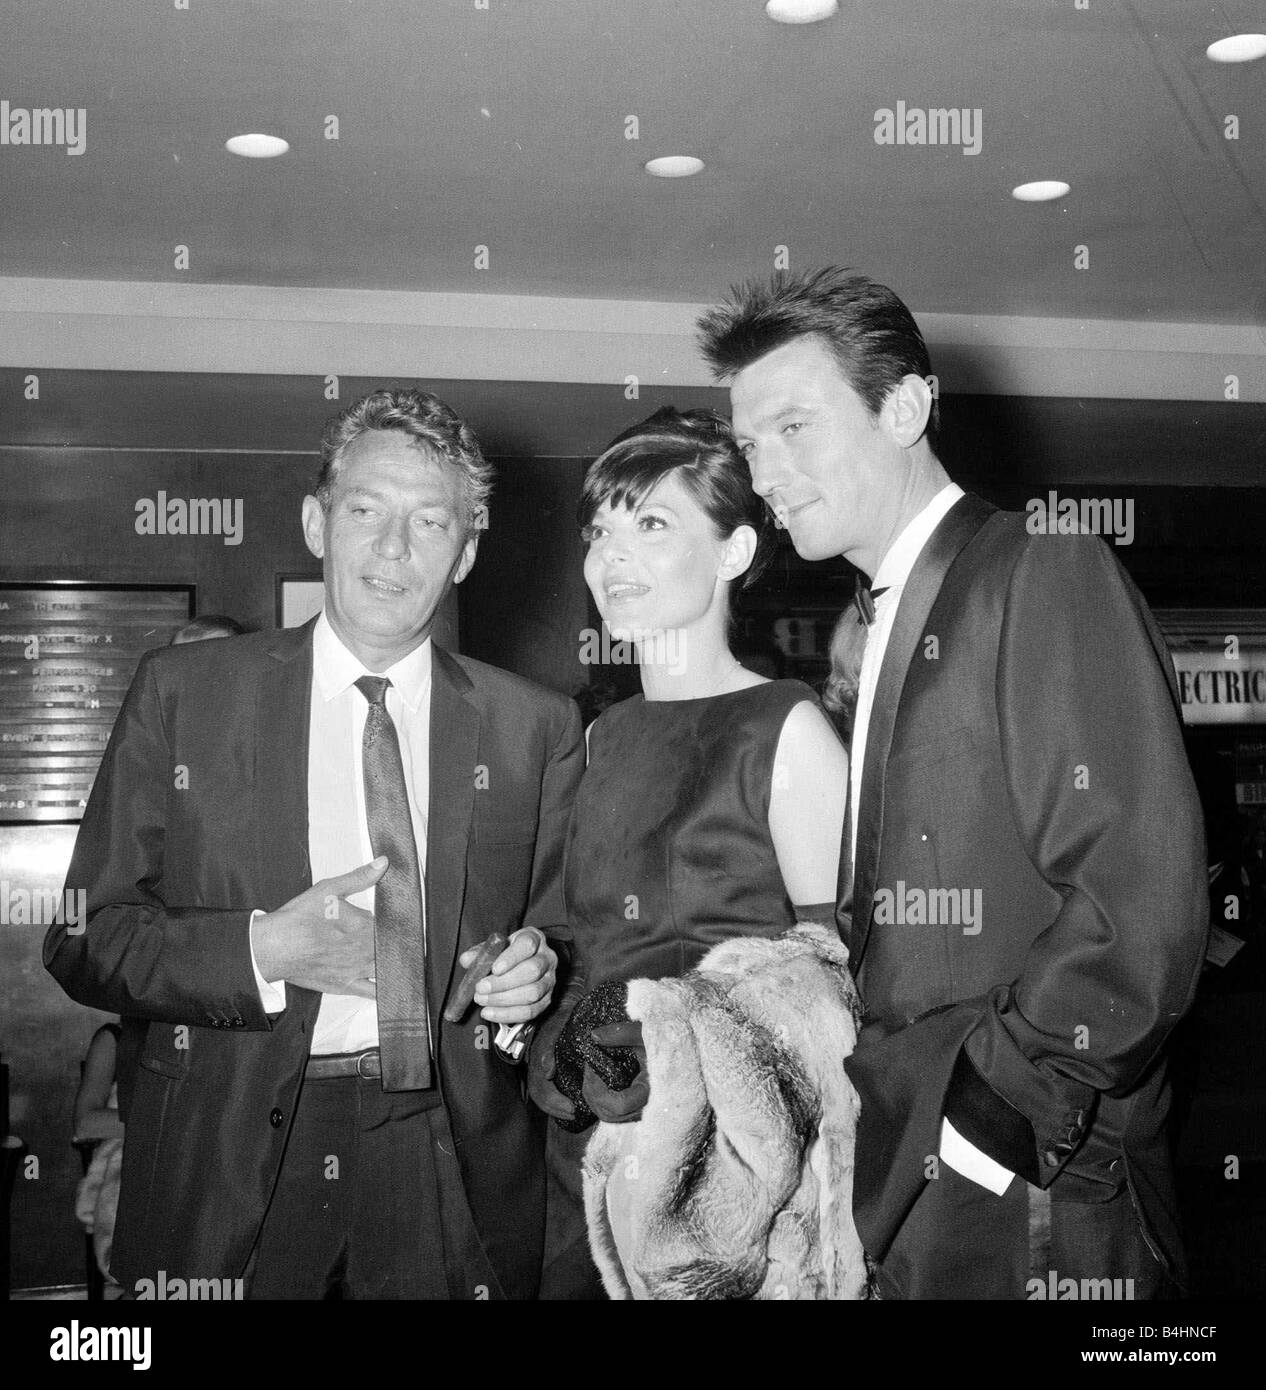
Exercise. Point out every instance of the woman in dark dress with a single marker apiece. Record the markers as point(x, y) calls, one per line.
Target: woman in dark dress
point(713, 803)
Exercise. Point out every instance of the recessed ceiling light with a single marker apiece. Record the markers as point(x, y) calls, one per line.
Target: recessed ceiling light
point(674, 166)
point(800, 11)
point(256, 146)
point(1239, 48)
point(1042, 191)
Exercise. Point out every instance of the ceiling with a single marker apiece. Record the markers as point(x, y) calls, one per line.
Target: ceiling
point(461, 126)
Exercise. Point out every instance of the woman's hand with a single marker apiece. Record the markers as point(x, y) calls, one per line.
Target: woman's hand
point(618, 1107)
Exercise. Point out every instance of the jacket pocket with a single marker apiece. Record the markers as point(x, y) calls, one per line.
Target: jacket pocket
point(166, 1050)
point(928, 752)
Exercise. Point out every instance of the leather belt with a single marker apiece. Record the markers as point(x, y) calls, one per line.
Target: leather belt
point(366, 1064)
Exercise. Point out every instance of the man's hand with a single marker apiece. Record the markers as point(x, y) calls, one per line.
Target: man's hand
point(521, 980)
point(319, 940)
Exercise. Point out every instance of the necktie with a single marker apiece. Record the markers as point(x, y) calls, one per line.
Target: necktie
point(398, 934)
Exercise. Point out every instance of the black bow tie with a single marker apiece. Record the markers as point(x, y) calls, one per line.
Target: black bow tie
point(864, 601)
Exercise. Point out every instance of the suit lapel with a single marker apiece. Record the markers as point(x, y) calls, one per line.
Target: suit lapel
point(282, 716)
point(454, 744)
point(283, 707)
point(958, 526)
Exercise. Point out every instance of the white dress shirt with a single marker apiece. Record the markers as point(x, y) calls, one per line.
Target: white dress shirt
point(338, 832)
point(894, 570)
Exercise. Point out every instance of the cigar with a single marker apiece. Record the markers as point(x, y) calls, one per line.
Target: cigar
point(460, 1001)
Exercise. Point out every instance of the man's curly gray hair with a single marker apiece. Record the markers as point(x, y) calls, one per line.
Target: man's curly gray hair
point(435, 428)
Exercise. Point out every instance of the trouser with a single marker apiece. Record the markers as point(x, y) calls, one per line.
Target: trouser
point(569, 1271)
point(962, 1241)
point(369, 1203)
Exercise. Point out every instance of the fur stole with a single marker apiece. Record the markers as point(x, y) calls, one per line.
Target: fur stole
point(737, 1182)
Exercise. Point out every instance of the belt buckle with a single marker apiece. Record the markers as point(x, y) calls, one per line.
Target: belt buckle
point(363, 1057)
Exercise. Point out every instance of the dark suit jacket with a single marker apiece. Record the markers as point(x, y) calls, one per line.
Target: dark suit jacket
point(198, 815)
point(1025, 741)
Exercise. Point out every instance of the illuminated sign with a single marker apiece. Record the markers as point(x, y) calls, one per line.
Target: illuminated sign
point(1216, 689)
point(67, 656)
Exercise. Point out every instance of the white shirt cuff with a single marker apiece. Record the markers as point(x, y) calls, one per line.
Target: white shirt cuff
point(969, 1162)
point(271, 996)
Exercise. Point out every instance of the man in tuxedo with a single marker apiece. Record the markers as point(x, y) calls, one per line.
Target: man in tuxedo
point(1022, 877)
point(294, 842)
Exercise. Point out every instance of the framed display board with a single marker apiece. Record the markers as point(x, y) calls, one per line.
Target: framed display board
point(299, 597)
point(68, 652)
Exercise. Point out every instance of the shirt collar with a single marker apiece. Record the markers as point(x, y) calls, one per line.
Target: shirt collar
point(335, 669)
point(895, 567)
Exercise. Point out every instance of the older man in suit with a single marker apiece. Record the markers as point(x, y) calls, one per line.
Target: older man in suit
point(294, 843)
point(1026, 911)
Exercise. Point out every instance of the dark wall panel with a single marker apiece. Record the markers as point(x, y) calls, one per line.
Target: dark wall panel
point(184, 410)
point(71, 514)
point(524, 604)
point(1174, 443)
point(1158, 443)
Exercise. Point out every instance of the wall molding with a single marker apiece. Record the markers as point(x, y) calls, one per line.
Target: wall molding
point(121, 325)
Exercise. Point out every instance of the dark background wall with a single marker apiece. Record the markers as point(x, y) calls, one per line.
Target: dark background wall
point(74, 463)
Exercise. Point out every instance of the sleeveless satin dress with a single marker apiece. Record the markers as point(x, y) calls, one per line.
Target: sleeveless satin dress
point(668, 853)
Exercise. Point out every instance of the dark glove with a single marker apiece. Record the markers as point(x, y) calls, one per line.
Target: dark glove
point(579, 1056)
point(545, 1095)
point(618, 1104)
point(540, 1069)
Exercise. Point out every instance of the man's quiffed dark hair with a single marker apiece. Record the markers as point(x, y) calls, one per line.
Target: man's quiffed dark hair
point(870, 331)
point(700, 447)
point(433, 426)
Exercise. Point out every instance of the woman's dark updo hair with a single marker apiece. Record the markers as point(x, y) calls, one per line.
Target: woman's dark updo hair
point(699, 447)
